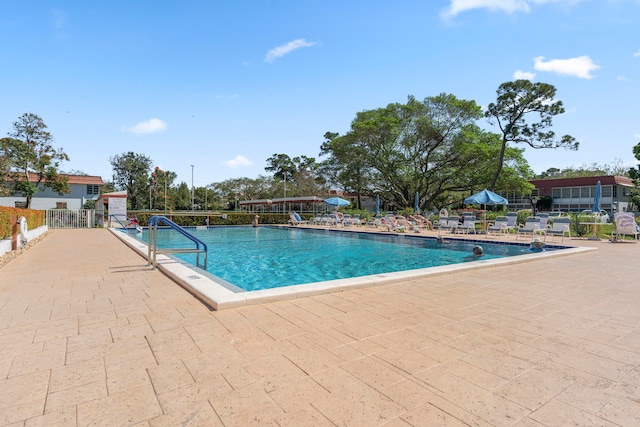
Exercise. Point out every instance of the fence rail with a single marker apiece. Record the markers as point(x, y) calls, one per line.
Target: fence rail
point(71, 218)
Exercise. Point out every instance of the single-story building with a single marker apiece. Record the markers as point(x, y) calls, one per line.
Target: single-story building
point(83, 188)
point(576, 194)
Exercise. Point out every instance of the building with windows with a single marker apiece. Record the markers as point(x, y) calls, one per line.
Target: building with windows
point(576, 194)
point(83, 189)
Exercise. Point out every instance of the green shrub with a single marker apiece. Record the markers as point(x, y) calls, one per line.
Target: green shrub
point(35, 219)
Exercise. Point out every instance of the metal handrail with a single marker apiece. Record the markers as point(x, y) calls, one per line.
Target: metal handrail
point(201, 247)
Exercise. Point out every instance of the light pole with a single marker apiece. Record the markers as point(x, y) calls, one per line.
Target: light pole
point(534, 203)
point(193, 197)
point(284, 200)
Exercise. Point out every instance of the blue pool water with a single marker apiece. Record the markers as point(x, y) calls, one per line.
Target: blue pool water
point(271, 257)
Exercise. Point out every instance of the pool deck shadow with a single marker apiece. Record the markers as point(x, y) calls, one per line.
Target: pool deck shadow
point(89, 335)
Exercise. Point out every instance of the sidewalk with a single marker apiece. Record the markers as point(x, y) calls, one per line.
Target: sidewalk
point(89, 335)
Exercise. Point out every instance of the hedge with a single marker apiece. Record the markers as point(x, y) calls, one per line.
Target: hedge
point(35, 219)
point(186, 219)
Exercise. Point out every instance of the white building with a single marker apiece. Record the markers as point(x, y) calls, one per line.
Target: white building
point(83, 188)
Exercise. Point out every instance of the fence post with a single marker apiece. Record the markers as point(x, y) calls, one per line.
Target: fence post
point(14, 232)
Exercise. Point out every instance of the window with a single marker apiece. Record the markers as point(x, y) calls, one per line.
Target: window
point(93, 189)
point(575, 192)
point(61, 205)
point(584, 192)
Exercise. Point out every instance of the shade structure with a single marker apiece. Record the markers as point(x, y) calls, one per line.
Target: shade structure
point(377, 211)
point(486, 197)
point(337, 202)
point(416, 203)
point(596, 198)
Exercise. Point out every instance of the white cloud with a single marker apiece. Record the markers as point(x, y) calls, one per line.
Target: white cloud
point(506, 6)
point(637, 53)
point(238, 161)
point(281, 51)
point(150, 126)
point(580, 66)
point(524, 75)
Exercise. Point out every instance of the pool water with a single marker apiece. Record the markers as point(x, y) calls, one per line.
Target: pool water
point(272, 257)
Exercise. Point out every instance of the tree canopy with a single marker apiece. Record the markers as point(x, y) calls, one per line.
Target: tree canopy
point(29, 151)
point(432, 147)
point(131, 173)
point(515, 103)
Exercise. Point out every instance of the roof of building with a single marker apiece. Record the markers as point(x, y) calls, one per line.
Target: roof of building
point(582, 181)
point(74, 179)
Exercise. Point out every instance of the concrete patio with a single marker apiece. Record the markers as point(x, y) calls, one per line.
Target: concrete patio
point(90, 335)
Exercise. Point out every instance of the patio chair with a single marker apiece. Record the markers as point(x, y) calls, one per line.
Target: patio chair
point(625, 225)
point(356, 219)
point(544, 220)
point(531, 227)
point(559, 227)
point(512, 219)
point(499, 226)
point(450, 224)
point(468, 225)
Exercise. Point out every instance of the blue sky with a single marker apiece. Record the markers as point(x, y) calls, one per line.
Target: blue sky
point(223, 85)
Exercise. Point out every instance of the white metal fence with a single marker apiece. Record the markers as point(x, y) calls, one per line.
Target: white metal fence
point(71, 218)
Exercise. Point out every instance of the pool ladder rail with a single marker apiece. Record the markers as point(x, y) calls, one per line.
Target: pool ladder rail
point(154, 222)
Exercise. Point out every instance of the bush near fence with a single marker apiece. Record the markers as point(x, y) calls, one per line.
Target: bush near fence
point(35, 219)
point(187, 219)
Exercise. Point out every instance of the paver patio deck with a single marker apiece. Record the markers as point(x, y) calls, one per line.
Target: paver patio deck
point(89, 335)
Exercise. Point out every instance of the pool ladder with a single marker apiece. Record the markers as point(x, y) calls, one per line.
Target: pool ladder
point(154, 221)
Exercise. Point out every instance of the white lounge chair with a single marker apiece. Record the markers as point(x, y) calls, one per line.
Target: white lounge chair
point(625, 225)
point(499, 226)
point(544, 220)
point(559, 227)
point(531, 226)
point(468, 225)
point(512, 219)
point(450, 224)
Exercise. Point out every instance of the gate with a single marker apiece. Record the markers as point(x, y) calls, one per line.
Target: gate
point(71, 218)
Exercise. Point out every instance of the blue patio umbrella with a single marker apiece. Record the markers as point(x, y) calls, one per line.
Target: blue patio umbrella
point(416, 203)
point(377, 211)
point(337, 202)
point(486, 197)
point(596, 198)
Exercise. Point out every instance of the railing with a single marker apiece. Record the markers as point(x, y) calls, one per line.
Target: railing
point(71, 218)
point(154, 221)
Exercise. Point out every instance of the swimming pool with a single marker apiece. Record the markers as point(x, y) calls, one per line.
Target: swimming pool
point(273, 257)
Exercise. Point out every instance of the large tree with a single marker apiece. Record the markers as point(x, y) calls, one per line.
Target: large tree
point(131, 173)
point(30, 154)
point(515, 103)
point(634, 173)
point(432, 147)
point(160, 184)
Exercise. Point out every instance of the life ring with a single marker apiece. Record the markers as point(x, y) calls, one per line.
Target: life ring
point(444, 213)
point(23, 229)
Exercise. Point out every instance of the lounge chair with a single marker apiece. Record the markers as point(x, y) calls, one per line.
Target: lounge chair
point(356, 220)
point(544, 220)
point(404, 224)
point(450, 224)
point(531, 226)
point(625, 225)
point(295, 219)
point(512, 219)
point(559, 227)
point(468, 225)
point(499, 226)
